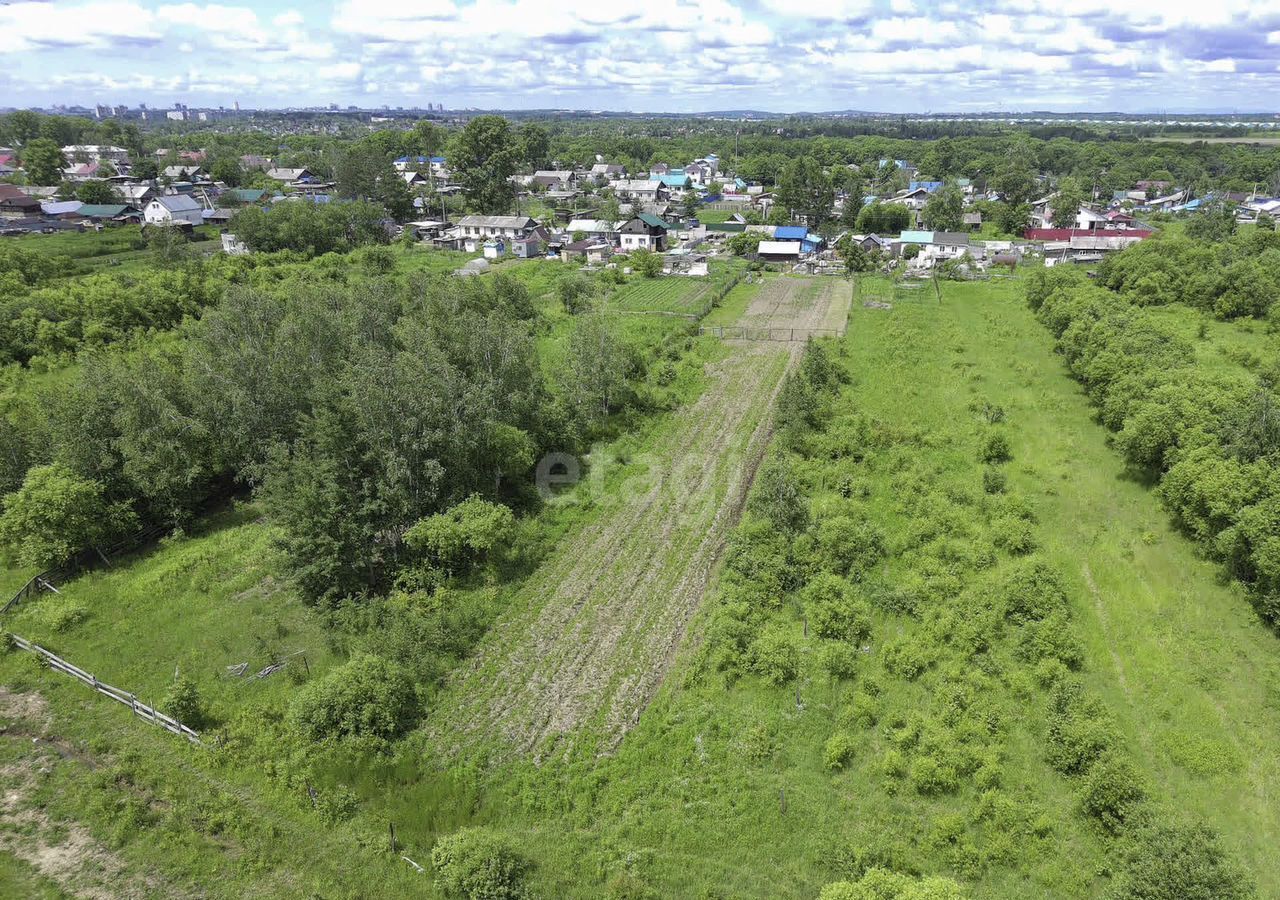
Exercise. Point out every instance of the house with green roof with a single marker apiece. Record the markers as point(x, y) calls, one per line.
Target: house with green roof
point(108, 212)
point(644, 232)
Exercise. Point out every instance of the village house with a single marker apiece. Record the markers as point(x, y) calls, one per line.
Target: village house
point(182, 173)
point(175, 209)
point(252, 161)
point(644, 232)
point(95, 153)
point(606, 172)
point(593, 228)
point(593, 251)
point(642, 190)
point(15, 203)
point(779, 251)
point(290, 176)
point(476, 230)
point(555, 180)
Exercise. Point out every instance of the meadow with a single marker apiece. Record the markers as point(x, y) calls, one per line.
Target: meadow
point(896, 715)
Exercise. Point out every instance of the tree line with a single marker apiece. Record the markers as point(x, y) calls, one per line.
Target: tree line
point(1210, 438)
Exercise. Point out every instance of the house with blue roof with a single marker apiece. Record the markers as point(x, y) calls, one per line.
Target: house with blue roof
point(927, 186)
point(676, 180)
point(809, 243)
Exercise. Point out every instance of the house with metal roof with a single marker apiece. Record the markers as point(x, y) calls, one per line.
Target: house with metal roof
point(108, 212)
point(244, 195)
point(16, 202)
point(808, 242)
point(779, 251)
point(290, 176)
point(644, 232)
point(678, 181)
point(61, 208)
point(173, 209)
point(644, 190)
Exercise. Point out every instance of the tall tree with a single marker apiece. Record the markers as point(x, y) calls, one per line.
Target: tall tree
point(807, 191)
point(1066, 203)
point(43, 161)
point(483, 158)
point(535, 145)
point(944, 210)
point(96, 190)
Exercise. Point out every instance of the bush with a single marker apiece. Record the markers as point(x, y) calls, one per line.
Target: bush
point(882, 884)
point(1179, 863)
point(837, 659)
point(366, 696)
point(475, 865)
point(932, 776)
point(994, 480)
point(1017, 536)
point(838, 750)
point(576, 293)
point(995, 448)
point(183, 703)
point(833, 611)
point(775, 655)
point(1111, 791)
point(338, 804)
point(56, 514)
point(776, 496)
point(846, 545)
point(463, 534)
point(1080, 728)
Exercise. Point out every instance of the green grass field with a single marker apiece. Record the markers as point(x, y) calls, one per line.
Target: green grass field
point(720, 788)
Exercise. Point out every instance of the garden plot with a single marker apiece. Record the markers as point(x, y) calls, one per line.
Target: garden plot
point(597, 627)
point(804, 304)
point(670, 295)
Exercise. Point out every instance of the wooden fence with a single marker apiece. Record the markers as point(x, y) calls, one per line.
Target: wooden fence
point(41, 582)
point(744, 333)
point(141, 710)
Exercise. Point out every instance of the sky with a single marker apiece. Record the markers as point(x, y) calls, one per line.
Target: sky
point(649, 55)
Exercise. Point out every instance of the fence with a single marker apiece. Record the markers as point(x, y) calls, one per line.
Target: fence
point(743, 333)
point(82, 560)
point(41, 582)
point(141, 710)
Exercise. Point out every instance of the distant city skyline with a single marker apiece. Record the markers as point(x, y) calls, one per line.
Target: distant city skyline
point(649, 55)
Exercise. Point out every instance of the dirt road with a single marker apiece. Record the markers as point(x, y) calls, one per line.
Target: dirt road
point(596, 628)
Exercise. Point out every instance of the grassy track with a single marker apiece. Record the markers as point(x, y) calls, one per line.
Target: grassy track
point(603, 618)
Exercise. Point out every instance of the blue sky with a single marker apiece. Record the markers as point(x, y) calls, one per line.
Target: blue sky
point(650, 55)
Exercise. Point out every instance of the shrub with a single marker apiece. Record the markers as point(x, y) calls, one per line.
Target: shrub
point(338, 804)
point(366, 696)
point(906, 658)
point(183, 703)
point(56, 514)
point(1032, 591)
point(833, 610)
point(932, 776)
point(775, 655)
point(1051, 638)
point(1080, 728)
point(847, 545)
point(838, 750)
point(864, 710)
point(994, 480)
point(463, 534)
point(995, 448)
point(777, 497)
point(1179, 863)
point(1017, 536)
point(1111, 791)
point(839, 660)
point(882, 884)
point(475, 865)
point(576, 293)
